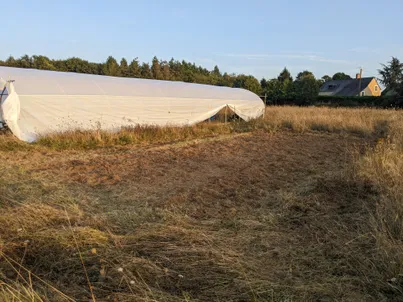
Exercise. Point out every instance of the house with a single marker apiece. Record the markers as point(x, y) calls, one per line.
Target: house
point(353, 87)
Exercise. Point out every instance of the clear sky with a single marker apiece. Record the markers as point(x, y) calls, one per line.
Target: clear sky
point(254, 36)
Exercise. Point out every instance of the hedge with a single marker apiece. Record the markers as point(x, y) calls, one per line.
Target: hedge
point(341, 101)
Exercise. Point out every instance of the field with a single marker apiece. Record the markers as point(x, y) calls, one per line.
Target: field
point(303, 205)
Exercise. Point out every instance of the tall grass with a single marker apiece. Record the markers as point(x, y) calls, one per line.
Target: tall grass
point(359, 121)
point(383, 166)
point(33, 208)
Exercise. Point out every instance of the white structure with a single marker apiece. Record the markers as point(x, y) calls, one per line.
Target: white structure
point(38, 102)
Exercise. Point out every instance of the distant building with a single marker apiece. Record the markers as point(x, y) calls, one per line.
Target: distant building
point(353, 87)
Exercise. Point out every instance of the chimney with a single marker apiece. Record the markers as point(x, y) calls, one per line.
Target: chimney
point(358, 76)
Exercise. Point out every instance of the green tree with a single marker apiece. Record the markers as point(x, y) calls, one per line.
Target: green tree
point(156, 69)
point(134, 69)
point(326, 78)
point(341, 76)
point(319, 83)
point(25, 62)
point(10, 62)
point(124, 68)
point(213, 78)
point(305, 90)
point(174, 70)
point(187, 72)
point(284, 76)
point(111, 67)
point(76, 65)
point(305, 75)
point(216, 71)
point(247, 82)
point(42, 62)
point(323, 80)
point(392, 75)
point(278, 92)
point(165, 70)
point(263, 84)
point(145, 71)
point(227, 80)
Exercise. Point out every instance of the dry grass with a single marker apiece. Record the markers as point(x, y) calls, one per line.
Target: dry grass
point(305, 205)
point(359, 121)
point(383, 166)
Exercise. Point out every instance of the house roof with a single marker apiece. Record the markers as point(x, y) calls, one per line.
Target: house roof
point(344, 87)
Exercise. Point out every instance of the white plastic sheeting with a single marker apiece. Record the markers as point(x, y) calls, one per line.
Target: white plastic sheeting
point(39, 102)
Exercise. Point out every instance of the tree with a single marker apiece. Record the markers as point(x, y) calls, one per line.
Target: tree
point(156, 69)
point(305, 90)
point(247, 82)
point(124, 68)
point(76, 65)
point(319, 83)
point(305, 75)
point(134, 69)
point(216, 71)
point(173, 70)
point(341, 76)
point(111, 67)
point(326, 78)
point(275, 91)
point(392, 75)
point(42, 62)
point(145, 71)
point(263, 84)
point(10, 62)
point(213, 77)
point(187, 72)
point(25, 62)
point(227, 80)
point(285, 76)
point(98, 68)
point(166, 73)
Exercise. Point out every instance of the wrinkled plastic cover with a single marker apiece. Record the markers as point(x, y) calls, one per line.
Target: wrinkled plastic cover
point(40, 102)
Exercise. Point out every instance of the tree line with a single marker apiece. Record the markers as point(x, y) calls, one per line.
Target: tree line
point(282, 89)
point(174, 70)
point(301, 91)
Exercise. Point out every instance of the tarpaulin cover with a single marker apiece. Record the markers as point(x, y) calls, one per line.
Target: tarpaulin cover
point(39, 102)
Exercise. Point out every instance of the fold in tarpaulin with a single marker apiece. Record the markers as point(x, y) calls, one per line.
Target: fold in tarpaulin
point(39, 102)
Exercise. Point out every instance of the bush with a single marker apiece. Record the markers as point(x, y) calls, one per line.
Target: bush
point(356, 101)
point(341, 101)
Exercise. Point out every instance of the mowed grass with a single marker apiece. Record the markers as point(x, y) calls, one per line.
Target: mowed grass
point(305, 204)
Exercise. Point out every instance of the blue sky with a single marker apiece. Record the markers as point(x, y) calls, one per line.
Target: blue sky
point(254, 37)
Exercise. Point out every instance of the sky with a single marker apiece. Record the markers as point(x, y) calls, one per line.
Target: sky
point(253, 37)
